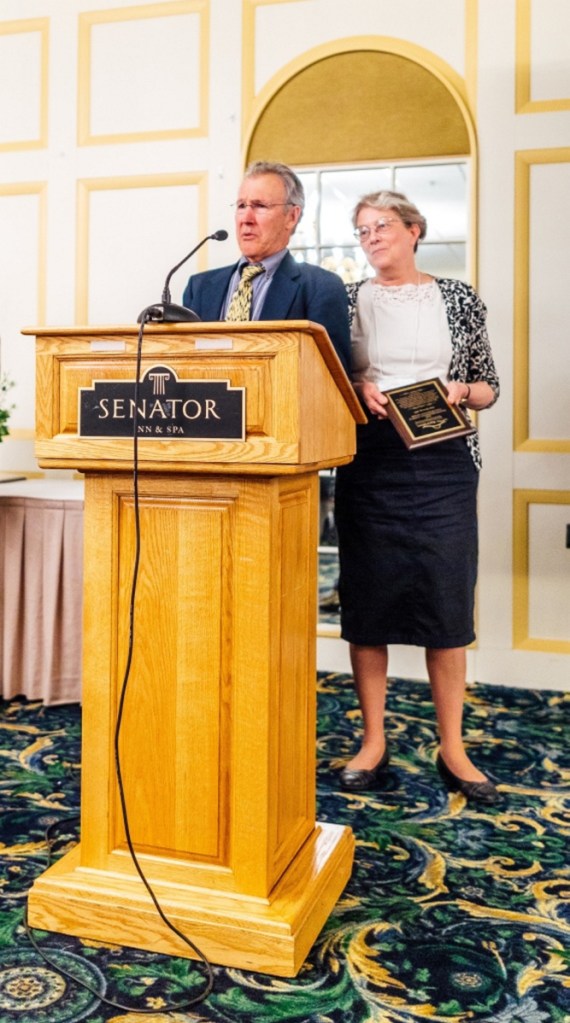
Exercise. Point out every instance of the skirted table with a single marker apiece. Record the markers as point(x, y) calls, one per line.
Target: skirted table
point(41, 566)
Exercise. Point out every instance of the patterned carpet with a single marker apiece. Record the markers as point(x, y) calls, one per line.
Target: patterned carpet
point(452, 914)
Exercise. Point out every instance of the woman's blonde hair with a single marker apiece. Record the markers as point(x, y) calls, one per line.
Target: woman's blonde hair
point(397, 201)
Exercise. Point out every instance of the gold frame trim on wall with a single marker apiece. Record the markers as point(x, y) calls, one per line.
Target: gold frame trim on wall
point(158, 10)
point(471, 50)
point(254, 106)
point(523, 102)
point(522, 501)
point(29, 26)
point(253, 103)
point(248, 39)
point(85, 188)
point(38, 188)
point(524, 160)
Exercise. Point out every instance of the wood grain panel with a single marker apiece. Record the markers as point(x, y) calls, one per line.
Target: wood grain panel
point(178, 701)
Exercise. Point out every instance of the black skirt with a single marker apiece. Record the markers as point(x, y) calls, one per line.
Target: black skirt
point(407, 534)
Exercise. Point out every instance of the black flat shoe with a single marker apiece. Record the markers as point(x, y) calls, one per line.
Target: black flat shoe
point(359, 781)
point(475, 791)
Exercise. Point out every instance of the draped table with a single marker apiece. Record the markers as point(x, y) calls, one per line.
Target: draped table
point(41, 574)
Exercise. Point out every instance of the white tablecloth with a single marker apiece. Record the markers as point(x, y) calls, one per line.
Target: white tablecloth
point(41, 573)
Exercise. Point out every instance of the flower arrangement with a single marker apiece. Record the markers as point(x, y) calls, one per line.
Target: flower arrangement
point(346, 267)
point(6, 384)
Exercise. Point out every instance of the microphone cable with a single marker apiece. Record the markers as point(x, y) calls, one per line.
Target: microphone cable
point(209, 985)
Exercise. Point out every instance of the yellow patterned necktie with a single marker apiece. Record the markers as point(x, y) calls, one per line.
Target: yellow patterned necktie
point(240, 305)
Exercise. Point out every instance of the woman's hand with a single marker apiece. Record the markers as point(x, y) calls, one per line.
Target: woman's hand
point(477, 396)
point(458, 393)
point(374, 400)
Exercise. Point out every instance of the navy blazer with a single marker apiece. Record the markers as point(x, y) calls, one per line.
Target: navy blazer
point(298, 291)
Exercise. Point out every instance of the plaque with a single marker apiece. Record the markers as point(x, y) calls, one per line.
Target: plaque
point(422, 414)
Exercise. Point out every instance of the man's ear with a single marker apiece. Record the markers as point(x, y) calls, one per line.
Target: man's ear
point(295, 213)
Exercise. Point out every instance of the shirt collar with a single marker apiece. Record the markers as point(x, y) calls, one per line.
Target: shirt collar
point(270, 262)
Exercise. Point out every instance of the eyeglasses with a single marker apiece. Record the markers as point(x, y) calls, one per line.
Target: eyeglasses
point(258, 207)
point(383, 225)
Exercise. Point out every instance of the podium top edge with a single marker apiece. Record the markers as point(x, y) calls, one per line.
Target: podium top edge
point(214, 326)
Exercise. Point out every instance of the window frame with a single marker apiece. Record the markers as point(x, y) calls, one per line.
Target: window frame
point(300, 252)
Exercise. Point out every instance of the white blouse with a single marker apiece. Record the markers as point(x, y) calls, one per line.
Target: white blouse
point(400, 335)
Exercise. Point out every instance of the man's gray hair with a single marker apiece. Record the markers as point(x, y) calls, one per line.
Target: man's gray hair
point(294, 191)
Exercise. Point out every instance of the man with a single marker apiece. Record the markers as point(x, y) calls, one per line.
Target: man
point(269, 206)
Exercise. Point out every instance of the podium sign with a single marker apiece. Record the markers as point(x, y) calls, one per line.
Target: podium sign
point(164, 407)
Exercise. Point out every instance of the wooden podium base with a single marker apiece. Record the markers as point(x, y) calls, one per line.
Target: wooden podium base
point(272, 935)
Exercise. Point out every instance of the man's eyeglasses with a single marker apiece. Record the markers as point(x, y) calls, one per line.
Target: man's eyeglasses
point(383, 225)
point(257, 207)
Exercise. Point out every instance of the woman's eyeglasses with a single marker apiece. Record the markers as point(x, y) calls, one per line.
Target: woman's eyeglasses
point(382, 225)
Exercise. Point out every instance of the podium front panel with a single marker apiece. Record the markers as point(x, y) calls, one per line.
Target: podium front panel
point(218, 731)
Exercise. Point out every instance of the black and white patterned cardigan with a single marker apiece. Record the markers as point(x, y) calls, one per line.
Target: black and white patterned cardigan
point(471, 356)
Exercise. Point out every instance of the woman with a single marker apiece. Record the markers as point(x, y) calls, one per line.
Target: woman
point(406, 519)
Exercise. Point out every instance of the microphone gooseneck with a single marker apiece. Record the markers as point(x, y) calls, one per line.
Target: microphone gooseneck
point(167, 311)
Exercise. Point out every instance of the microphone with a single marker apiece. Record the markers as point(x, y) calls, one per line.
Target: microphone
point(167, 311)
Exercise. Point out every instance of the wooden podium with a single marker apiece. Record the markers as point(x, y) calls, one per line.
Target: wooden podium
point(218, 733)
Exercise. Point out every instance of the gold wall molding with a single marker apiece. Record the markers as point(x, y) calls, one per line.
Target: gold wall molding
point(39, 189)
point(87, 20)
point(524, 161)
point(524, 104)
point(310, 121)
point(451, 86)
point(254, 106)
point(250, 108)
point(523, 499)
point(248, 48)
point(85, 189)
point(30, 25)
point(471, 50)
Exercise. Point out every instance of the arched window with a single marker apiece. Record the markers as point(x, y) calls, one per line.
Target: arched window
point(380, 114)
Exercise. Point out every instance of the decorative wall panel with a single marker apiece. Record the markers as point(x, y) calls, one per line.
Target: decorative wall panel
point(542, 301)
point(543, 56)
point(143, 73)
point(23, 81)
point(22, 277)
point(123, 223)
point(270, 43)
point(541, 571)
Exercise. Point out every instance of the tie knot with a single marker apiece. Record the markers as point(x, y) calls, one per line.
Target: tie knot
point(251, 270)
point(242, 298)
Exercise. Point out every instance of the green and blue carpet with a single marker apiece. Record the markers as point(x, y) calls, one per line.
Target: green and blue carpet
point(454, 913)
